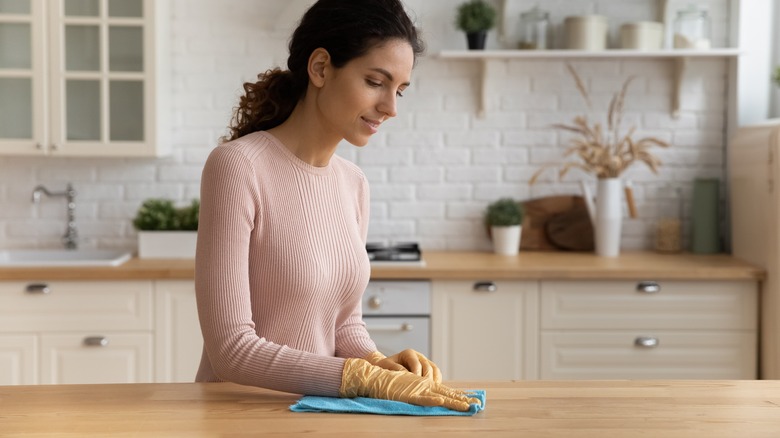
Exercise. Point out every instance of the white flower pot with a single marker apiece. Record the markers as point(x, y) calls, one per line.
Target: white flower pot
point(167, 244)
point(506, 240)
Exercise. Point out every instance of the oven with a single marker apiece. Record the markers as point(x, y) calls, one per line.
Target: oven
point(398, 315)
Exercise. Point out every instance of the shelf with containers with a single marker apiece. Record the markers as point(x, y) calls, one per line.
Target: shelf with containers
point(680, 57)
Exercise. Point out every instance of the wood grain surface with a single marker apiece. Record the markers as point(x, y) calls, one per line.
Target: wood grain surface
point(460, 265)
point(571, 409)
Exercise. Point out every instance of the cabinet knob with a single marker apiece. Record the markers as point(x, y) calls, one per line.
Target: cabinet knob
point(646, 341)
point(485, 286)
point(55, 146)
point(648, 287)
point(96, 341)
point(374, 302)
point(38, 288)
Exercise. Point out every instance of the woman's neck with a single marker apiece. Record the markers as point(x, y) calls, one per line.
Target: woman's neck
point(303, 134)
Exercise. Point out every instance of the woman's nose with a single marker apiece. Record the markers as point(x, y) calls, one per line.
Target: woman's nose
point(388, 105)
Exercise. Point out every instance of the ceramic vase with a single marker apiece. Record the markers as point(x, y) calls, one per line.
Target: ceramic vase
point(606, 214)
point(506, 240)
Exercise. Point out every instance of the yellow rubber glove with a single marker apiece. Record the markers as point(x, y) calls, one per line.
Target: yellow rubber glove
point(409, 360)
point(361, 379)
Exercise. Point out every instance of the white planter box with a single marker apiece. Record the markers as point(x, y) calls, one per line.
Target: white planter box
point(167, 244)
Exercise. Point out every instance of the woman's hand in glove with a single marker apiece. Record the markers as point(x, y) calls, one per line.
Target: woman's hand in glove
point(409, 360)
point(361, 379)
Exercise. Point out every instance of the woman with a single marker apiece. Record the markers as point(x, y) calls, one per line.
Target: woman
point(281, 263)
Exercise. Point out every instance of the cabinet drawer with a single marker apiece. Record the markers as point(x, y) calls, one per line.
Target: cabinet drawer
point(678, 355)
point(623, 304)
point(71, 305)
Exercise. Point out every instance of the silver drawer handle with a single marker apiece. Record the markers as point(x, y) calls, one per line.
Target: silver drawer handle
point(648, 287)
point(405, 327)
point(38, 288)
point(96, 341)
point(485, 286)
point(646, 342)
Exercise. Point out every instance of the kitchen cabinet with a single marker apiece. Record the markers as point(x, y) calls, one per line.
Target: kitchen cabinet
point(84, 78)
point(18, 359)
point(648, 330)
point(76, 332)
point(485, 329)
point(595, 329)
point(178, 339)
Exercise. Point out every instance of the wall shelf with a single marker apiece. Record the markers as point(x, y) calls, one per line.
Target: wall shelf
point(680, 58)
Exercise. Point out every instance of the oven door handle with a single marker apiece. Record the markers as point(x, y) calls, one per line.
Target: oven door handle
point(405, 327)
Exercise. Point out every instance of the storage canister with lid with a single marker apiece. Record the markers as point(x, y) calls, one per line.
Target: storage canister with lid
point(535, 30)
point(692, 28)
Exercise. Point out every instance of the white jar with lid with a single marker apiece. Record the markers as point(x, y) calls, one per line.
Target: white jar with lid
point(642, 35)
point(586, 32)
point(692, 28)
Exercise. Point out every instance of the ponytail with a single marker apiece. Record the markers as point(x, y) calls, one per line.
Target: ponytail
point(266, 103)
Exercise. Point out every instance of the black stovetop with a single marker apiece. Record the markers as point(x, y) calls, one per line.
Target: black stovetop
point(398, 252)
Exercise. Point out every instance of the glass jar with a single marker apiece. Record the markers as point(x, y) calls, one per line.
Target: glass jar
point(535, 29)
point(668, 230)
point(692, 28)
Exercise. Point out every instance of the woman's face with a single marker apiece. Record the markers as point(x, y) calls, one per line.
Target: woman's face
point(357, 98)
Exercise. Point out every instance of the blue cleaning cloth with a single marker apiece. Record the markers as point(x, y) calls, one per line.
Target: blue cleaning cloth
point(363, 405)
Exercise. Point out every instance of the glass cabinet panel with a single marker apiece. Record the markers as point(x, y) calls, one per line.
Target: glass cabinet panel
point(125, 48)
point(82, 109)
point(82, 48)
point(82, 8)
point(125, 8)
point(16, 108)
point(15, 46)
point(14, 7)
point(126, 110)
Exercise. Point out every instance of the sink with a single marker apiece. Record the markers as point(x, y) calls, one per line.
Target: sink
point(62, 257)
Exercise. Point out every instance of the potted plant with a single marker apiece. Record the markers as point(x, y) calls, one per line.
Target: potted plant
point(504, 218)
point(475, 17)
point(776, 76)
point(165, 231)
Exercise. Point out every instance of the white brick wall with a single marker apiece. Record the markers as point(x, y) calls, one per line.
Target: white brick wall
point(435, 167)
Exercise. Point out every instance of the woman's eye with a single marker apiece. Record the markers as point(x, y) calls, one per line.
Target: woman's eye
point(399, 94)
point(373, 84)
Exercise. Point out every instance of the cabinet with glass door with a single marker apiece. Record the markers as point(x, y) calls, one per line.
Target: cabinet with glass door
point(83, 77)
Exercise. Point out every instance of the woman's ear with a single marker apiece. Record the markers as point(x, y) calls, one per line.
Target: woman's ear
point(319, 61)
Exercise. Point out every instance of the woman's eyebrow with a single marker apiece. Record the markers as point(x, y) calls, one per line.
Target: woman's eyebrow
point(387, 74)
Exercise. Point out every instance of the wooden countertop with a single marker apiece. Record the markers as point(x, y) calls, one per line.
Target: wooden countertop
point(571, 409)
point(452, 265)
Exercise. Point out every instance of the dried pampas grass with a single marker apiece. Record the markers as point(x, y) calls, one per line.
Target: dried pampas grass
point(605, 153)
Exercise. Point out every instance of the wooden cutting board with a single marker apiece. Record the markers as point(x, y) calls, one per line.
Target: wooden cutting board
point(556, 223)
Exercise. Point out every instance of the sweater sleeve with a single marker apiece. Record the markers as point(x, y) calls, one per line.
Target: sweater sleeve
point(352, 338)
point(229, 212)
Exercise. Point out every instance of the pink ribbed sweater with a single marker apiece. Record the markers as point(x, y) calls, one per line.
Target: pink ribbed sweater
point(281, 267)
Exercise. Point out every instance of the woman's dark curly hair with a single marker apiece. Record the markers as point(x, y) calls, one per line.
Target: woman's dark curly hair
point(347, 29)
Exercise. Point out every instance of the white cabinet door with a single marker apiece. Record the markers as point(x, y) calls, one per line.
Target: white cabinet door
point(18, 359)
point(22, 77)
point(178, 339)
point(96, 358)
point(84, 78)
point(485, 330)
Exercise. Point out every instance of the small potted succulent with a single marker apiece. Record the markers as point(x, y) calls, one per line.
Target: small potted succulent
point(504, 218)
point(476, 17)
point(165, 231)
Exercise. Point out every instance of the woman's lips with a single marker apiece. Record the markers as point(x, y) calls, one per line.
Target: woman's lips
point(373, 125)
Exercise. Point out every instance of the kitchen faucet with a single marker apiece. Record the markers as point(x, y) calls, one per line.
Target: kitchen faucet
point(70, 238)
